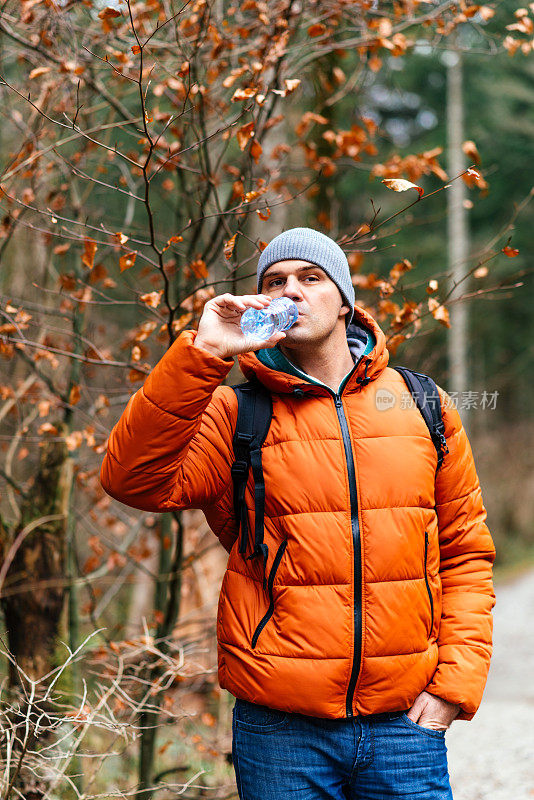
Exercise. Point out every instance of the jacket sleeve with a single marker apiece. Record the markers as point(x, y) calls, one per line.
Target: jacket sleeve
point(467, 553)
point(172, 446)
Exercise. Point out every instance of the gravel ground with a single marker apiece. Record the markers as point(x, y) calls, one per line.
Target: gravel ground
point(491, 757)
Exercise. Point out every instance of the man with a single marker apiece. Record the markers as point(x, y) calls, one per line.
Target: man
point(375, 629)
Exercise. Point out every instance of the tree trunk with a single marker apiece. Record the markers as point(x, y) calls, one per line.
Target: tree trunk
point(33, 590)
point(457, 231)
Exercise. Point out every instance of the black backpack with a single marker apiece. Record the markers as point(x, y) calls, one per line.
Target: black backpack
point(254, 414)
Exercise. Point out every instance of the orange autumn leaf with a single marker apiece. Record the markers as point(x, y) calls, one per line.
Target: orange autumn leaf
point(399, 269)
point(439, 312)
point(74, 395)
point(151, 299)
point(199, 268)
point(136, 49)
point(265, 214)
point(47, 427)
point(262, 245)
point(244, 134)
point(88, 257)
point(511, 252)
point(229, 246)
point(173, 240)
point(394, 342)
point(401, 185)
point(432, 287)
point(243, 94)
point(35, 73)
point(108, 13)
point(237, 190)
point(61, 249)
point(256, 150)
point(470, 149)
point(316, 30)
point(74, 440)
point(291, 84)
point(127, 260)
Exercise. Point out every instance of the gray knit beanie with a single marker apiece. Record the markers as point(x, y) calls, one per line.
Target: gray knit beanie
point(307, 244)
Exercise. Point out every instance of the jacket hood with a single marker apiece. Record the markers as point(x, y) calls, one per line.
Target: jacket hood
point(367, 367)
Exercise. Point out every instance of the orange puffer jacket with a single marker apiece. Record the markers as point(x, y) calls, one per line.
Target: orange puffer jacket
point(383, 587)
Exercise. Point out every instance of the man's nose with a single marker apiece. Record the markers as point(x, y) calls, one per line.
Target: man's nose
point(292, 289)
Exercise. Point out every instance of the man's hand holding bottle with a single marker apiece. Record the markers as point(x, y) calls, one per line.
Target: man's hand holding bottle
point(219, 329)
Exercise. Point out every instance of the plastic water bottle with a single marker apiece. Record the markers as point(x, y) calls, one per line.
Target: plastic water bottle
point(261, 323)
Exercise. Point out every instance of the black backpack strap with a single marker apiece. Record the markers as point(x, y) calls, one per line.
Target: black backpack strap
point(425, 393)
point(254, 413)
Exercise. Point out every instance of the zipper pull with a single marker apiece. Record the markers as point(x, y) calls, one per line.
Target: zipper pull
point(338, 401)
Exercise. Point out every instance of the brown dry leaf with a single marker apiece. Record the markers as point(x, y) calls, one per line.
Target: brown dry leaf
point(439, 312)
point(399, 269)
point(73, 440)
point(470, 149)
point(401, 185)
point(74, 395)
point(339, 75)
point(44, 407)
point(432, 287)
point(47, 427)
point(152, 299)
point(127, 260)
point(121, 237)
point(307, 119)
point(109, 13)
point(35, 73)
point(199, 268)
point(88, 257)
point(22, 454)
point(474, 173)
point(256, 150)
point(172, 240)
point(244, 134)
point(394, 342)
point(61, 249)
point(229, 247)
point(242, 94)
point(316, 30)
point(291, 84)
point(237, 190)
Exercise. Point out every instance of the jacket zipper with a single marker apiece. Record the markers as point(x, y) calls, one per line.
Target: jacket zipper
point(428, 586)
point(355, 525)
point(265, 619)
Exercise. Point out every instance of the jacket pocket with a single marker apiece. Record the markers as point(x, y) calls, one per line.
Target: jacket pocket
point(429, 590)
point(270, 581)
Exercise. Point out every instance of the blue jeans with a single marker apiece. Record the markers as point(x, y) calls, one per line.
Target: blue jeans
point(283, 756)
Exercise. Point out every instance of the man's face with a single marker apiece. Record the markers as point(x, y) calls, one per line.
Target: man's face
point(319, 301)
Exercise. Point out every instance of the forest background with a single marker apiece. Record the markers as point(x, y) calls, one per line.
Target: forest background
point(150, 150)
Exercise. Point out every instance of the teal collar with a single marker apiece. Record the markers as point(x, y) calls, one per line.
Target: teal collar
point(360, 340)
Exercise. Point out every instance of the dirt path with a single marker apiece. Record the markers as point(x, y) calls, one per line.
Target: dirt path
point(492, 756)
